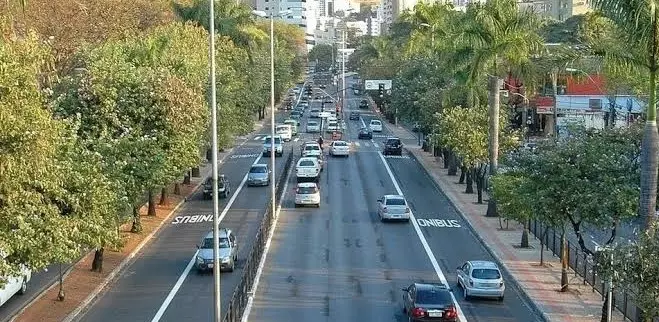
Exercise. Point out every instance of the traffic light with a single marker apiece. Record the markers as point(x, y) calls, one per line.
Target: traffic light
point(381, 90)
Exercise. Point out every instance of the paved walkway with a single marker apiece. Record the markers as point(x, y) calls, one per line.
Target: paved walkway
point(540, 283)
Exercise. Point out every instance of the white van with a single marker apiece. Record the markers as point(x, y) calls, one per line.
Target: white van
point(284, 131)
point(15, 285)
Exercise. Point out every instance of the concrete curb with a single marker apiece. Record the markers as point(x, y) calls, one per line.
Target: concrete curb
point(529, 301)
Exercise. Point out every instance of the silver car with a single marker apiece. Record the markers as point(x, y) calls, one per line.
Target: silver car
point(259, 175)
point(228, 252)
point(393, 207)
point(481, 279)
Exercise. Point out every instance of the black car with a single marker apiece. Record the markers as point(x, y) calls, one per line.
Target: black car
point(354, 116)
point(223, 187)
point(365, 133)
point(429, 302)
point(393, 146)
point(323, 86)
point(363, 104)
point(328, 100)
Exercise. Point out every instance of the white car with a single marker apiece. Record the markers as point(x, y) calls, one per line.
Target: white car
point(375, 125)
point(313, 127)
point(307, 169)
point(15, 285)
point(284, 131)
point(310, 147)
point(481, 279)
point(339, 148)
point(332, 126)
point(315, 113)
point(393, 207)
point(307, 193)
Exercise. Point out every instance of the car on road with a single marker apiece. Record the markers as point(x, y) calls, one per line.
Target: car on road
point(481, 279)
point(365, 133)
point(375, 125)
point(15, 285)
point(323, 86)
point(310, 147)
point(293, 124)
point(392, 145)
point(307, 193)
point(354, 116)
point(267, 145)
point(315, 113)
point(426, 302)
point(307, 169)
point(328, 100)
point(258, 175)
point(223, 187)
point(363, 104)
point(393, 207)
point(296, 115)
point(338, 148)
point(285, 131)
point(332, 125)
point(313, 127)
point(228, 254)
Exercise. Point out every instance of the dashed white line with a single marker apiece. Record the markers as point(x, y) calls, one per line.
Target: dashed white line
point(185, 273)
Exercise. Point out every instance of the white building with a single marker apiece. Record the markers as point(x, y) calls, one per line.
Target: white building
point(304, 13)
point(326, 30)
point(360, 26)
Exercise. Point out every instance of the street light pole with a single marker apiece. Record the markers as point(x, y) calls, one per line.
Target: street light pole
point(216, 202)
point(343, 61)
point(273, 154)
point(554, 85)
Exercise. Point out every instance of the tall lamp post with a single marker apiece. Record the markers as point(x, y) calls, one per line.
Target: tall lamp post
point(273, 153)
point(216, 202)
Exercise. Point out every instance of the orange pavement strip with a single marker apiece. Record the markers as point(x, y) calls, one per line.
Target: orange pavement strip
point(81, 281)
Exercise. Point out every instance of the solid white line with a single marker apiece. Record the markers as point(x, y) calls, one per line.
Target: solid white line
point(259, 271)
point(424, 242)
point(185, 273)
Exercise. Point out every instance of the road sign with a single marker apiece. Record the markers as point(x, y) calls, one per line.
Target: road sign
point(373, 84)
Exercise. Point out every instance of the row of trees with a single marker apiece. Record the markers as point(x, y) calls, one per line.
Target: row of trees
point(439, 60)
point(90, 125)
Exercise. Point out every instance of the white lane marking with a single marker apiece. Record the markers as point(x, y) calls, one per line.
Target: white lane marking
point(185, 273)
point(440, 223)
point(397, 156)
point(256, 138)
point(375, 145)
point(259, 271)
point(244, 156)
point(424, 242)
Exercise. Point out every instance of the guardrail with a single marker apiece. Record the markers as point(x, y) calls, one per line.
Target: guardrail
point(583, 265)
point(241, 293)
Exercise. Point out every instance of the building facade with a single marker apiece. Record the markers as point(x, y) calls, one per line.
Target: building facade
point(556, 9)
point(303, 13)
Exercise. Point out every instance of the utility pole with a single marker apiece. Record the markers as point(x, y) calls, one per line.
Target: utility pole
point(495, 85)
point(554, 85)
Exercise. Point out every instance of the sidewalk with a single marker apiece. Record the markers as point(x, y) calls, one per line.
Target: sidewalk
point(540, 283)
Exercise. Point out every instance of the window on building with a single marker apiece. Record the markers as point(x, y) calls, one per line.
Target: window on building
point(595, 104)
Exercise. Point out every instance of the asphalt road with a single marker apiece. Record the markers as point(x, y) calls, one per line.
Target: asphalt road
point(141, 290)
point(340, 263)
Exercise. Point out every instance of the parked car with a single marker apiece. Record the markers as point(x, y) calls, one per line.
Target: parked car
point(307, 193)
point(481, 279)
point(392, 145)
point(223, 187)
point(228, 254)
point(425, 302)
point(354, 116)
point(259, 175)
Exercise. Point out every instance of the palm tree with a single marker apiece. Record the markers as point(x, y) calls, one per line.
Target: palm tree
point(637, 22)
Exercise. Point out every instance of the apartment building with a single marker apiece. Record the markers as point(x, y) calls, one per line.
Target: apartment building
point(303, 13)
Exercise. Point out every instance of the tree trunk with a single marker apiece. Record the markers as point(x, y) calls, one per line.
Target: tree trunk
point(479, 184)
point(163, 196)
point(525, 236)
point(542, 246)
point(152, 204)
point(446, 155)
point(605, 313)
point(195, 172)
point(452, 164)
point(209, 155)
point(470, 182)
point(564, 264)
point(463, 174)
point(177, 188)
point(97, 263)
point(186, 178)
point(137, 221)
point(648, 162)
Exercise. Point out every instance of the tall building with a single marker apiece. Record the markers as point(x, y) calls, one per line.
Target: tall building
point(303, 13)
point(325, 8)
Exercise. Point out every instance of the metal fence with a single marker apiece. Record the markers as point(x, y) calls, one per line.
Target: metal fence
point(583, 266)
point(241, 293)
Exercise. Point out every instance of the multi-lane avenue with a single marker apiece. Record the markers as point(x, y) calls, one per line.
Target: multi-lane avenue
point(340, 263)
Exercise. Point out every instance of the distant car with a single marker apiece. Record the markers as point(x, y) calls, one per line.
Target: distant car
point(392, 145)
point(259, 175)
point(365, 133)
point(328, 100)
point(315, 113)
point(293, 123)
point(481, 279)
point(393, 207)
point(223, 187)
point(285, 131)
point(307, 193)
point(310, 146)
point(296, 115)
point(354, 116)
point(424, 302)
point(376, 125)
point(338, 148)
point(307, 169)
point(332, 125)
point(228, 255)
point(267, 145)
point(313, 127)
point(363, 104)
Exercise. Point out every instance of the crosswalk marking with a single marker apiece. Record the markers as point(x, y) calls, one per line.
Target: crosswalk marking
point(376, 145)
